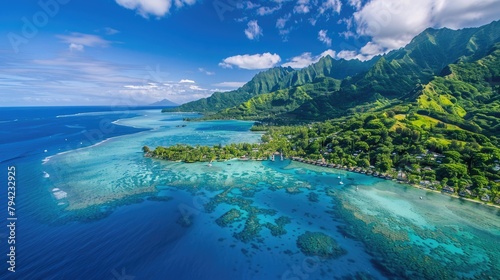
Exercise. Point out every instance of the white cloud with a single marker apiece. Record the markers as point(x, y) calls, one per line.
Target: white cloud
point(348, 55)
point(323, 37)
point(197, 88)
point(156, 8)
point(186, 81)
point(347, 34)
point(230, 84)
point(302, 7)
point(78, 41)
point(262, 11)
point(334, 5)
point(355, 3)
point(78, 80)
point(76, 47)
point(252, 62)
point(392, 24)
point(306, 59)
point(208, 73)
point(280, 25)
point(179, 92)
point(110, 31)
point(281, 22)
point(253, 31)
point(248, 5)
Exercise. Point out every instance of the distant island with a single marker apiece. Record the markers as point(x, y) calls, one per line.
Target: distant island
point(164, 102)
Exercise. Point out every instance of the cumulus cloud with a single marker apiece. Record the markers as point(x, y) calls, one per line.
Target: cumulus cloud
point(306, 59)
point(392, 24)
point(323, 37)
point(156, 8)
point(251, 62)
point(186, 81)
point(78, 41)
point(253, 31)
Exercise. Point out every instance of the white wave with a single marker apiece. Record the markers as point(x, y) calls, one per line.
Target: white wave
point(9, 121)
point(75, 126)
point(95, 113)
point(46, 175)
point(47, 159)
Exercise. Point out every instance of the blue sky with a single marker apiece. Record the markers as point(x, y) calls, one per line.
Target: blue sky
point(75, 52)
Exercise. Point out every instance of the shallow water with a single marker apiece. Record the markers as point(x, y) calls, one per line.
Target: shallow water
point(98, 215)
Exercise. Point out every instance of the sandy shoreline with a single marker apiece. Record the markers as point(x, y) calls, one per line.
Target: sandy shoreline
point(415, 186)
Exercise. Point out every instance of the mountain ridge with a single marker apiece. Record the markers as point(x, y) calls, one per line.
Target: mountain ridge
point(331, 87)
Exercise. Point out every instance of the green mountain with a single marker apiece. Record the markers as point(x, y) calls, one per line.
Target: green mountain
point(442, 72)
point(400, 74)
point(275, 79)
point(277, 103)
point(263, 82)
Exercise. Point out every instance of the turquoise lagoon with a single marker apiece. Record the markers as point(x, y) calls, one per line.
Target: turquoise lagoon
point(121, 213)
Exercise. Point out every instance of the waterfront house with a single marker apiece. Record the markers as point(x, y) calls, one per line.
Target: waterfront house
point(485, 198)
point(448, 189)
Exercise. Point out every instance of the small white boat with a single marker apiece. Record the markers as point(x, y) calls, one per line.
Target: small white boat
point(341, 183)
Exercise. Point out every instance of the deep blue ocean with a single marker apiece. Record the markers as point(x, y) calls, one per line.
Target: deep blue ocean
point(28, 135)
point(88, 205)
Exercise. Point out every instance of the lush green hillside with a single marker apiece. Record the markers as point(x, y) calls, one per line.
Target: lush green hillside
point(467, 94)
point(263, 82)
point(275, 79)
point(277, 103)
point(400, 74)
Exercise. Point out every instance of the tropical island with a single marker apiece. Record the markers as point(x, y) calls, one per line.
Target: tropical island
point(426, 114)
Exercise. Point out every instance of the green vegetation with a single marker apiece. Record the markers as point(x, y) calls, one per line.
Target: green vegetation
point(280, 102)
point(191, 154)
